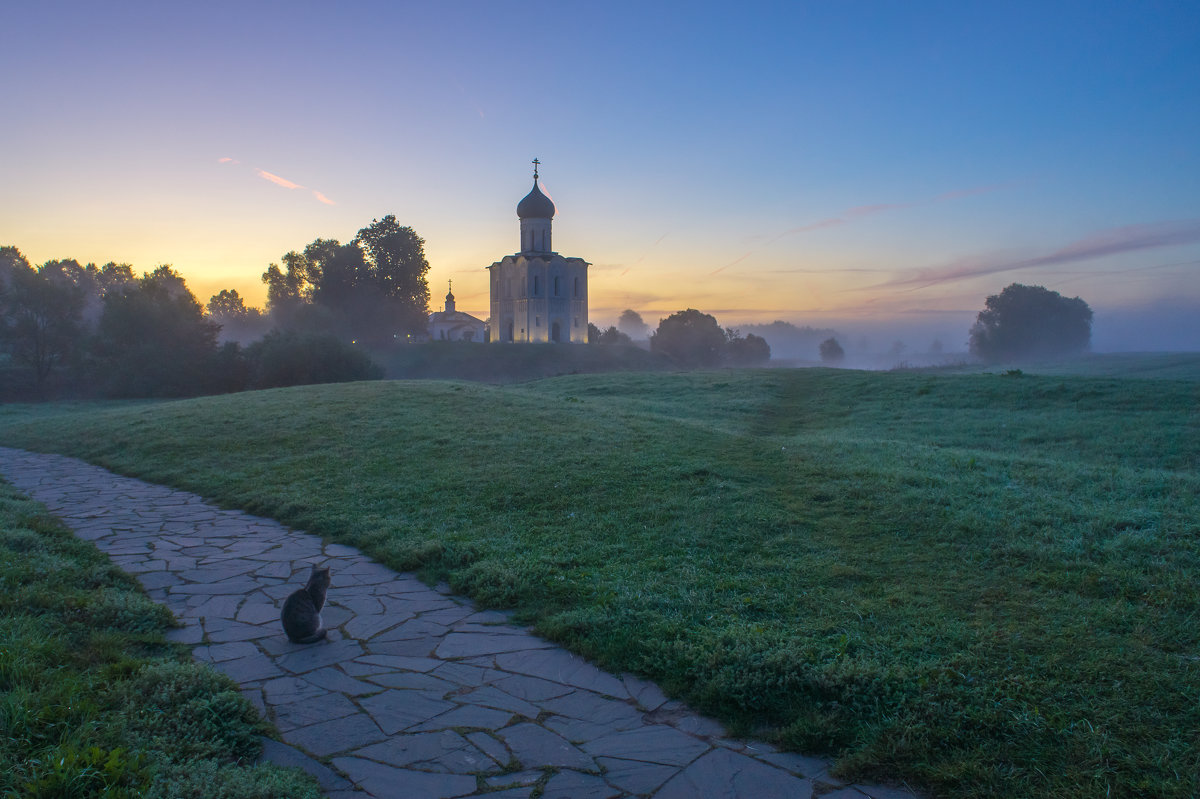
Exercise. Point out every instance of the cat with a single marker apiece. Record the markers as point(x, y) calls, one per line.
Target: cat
point(301, 614)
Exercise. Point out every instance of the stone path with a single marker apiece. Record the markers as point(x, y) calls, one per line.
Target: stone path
point(416, 693)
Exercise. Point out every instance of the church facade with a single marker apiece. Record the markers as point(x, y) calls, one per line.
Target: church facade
point(454, 325)
point(538, 295)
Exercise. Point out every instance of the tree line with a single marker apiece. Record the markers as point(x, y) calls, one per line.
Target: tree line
point(74, 330)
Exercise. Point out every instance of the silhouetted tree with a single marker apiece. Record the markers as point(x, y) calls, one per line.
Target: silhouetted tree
point(154, 340)
point(398, 270)
point(1030, 322)
point(612, 336)
point(746, 351)
point(831, 351)
point(594, 334)
point(237, 322)
point(42, 313)
point(630, 323)
point(690, 337)
point(369, 290)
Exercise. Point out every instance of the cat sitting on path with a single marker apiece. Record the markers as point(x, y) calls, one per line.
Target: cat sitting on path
point(301, 614)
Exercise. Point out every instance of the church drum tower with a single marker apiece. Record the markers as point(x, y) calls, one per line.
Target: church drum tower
point(538, 295)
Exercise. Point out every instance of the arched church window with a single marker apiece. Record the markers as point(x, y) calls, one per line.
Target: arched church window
point(537, 285)
point(556, 285)
point(576, 287)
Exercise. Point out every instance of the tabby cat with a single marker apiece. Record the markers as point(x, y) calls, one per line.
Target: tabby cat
point(301, 615)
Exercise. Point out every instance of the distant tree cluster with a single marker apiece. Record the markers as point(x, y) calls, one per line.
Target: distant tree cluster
point(371, 290)
point(68, 329)
point(1030, 322)
point(695, 339)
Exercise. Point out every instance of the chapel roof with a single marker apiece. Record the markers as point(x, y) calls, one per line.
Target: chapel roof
point(535, 205)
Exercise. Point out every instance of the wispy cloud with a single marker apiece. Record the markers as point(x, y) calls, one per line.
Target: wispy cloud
point(1130, 238)
point(734, 262)
point(278, 181)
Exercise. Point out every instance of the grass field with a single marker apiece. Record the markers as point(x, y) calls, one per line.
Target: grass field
point(93, 701)
point(982, 584)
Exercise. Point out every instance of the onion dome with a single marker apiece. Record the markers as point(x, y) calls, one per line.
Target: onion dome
point(535, 205)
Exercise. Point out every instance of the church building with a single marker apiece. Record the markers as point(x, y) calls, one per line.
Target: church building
point(454, 325)
point(537, 294)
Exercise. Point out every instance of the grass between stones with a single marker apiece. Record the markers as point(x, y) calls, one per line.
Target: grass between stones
point(983, 584)
point(93, 701)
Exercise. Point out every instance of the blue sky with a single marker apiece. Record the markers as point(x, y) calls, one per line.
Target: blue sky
point(877, 167)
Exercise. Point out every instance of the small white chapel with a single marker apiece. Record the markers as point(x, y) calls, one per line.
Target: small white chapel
point(537, 294)
point(455, 325)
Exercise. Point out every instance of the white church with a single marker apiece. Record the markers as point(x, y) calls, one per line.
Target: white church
point(537, 294)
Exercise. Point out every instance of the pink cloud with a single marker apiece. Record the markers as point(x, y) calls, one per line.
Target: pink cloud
point(287, 184)
point(323, 198)
point(227, 160)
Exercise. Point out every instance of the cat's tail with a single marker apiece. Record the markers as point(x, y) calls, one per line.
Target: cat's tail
point(319, 635)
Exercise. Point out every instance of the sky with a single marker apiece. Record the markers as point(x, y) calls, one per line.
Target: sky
point(876, 167)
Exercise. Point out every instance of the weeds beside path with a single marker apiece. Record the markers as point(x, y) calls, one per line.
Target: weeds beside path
point(93, 700)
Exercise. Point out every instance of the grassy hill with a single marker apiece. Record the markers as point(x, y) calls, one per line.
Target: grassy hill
point(981, 583)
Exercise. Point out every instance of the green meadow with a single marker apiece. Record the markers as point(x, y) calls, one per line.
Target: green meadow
point(979, 584)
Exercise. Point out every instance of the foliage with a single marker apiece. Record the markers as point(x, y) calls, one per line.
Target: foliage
point(237, 322)
point(750, 350)
point(691, 338)
point(789, 341)
point(370, 290)
point(610, 336)
point(42, 311)
point(1030, 322)
point(630, 323)
point(154, 339)
point(93, 701)
point(831, 351)
point(292, 359)
point(978, 584)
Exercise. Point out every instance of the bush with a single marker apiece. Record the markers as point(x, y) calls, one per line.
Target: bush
point(831, 351)
point(292, 359)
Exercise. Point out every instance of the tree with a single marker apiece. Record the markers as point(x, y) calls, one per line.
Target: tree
point(831, 351)
point(398, 270)
point(237, 322)
point(154, 339)
point(611, 336)
point(369, 290)
point(42, 311)
point(1030, 322)
point(630, 323)
point(746, 351)
point(690, 337)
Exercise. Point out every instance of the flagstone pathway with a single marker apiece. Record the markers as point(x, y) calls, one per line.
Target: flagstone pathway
point(415, 693)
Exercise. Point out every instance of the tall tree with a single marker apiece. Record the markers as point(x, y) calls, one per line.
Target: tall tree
point(1030, 322)
point(398, 269)
point(154, 339)
point(42, 311)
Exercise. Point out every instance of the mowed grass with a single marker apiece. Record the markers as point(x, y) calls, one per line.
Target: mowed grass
point(93, 700)
point(981, 584)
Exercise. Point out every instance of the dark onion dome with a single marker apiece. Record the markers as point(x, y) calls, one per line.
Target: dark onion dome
point(535, 205)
